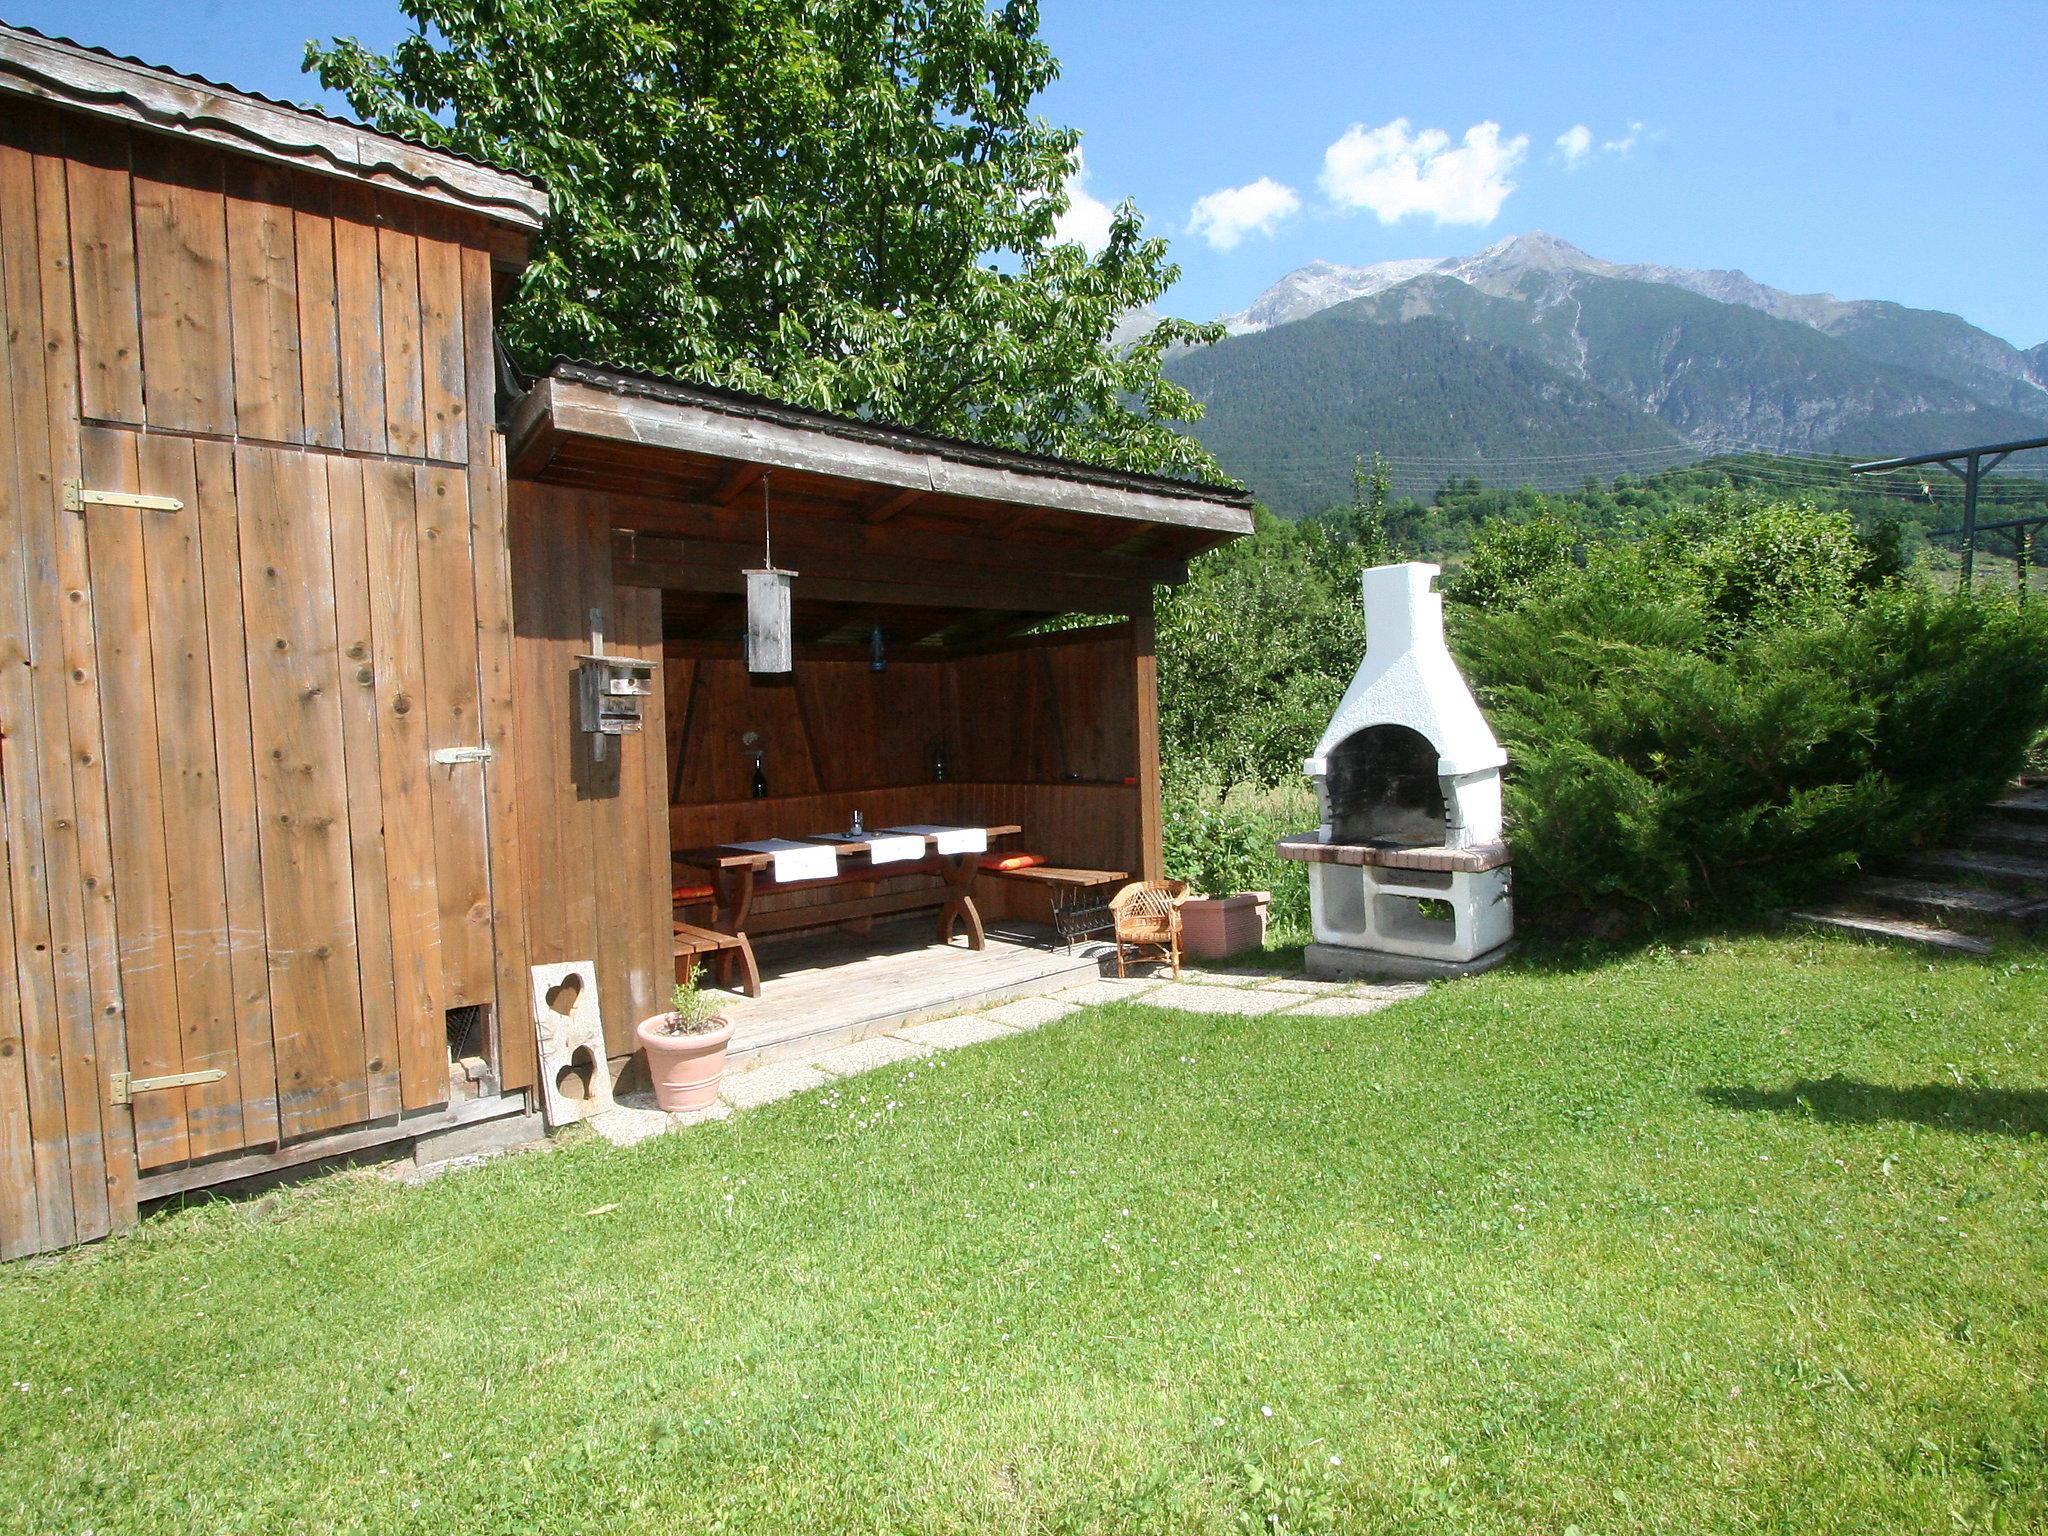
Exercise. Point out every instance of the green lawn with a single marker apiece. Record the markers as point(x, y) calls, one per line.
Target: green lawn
point(1749, 1239)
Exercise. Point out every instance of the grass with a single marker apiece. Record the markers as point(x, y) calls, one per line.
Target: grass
point(1749, 1236)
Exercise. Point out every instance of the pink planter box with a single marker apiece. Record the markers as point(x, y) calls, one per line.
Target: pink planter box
point(1217, 927)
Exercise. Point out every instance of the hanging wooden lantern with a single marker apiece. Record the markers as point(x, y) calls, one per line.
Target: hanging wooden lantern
point(770, 641)
point(771, 638)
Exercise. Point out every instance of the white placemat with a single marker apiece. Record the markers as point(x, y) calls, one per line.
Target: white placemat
point(886, 848)
point(796, 861)
point(951, 839)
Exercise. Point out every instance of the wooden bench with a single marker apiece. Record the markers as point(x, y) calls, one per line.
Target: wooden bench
point(724, 948)
point(1058, 895)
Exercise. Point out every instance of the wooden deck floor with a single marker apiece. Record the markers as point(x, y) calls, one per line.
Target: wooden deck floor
point(822, 990)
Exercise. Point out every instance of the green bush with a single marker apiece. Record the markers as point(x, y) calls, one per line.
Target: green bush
point(1222, 844)
point(1736, 708)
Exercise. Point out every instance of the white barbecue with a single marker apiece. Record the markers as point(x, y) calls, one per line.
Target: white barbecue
point(1408, 873)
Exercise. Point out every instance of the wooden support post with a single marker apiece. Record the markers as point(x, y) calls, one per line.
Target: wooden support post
point(1151, 861)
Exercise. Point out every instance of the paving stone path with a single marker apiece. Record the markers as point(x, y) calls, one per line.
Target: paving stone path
point(1217, 990)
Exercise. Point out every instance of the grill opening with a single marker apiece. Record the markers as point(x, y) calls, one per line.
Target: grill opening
point(1383, 789)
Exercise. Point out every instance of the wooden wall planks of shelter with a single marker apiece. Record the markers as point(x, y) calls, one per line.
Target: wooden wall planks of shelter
point(579, 818)
point(359, 304)
point(142, 884)
point(398, 294)
point(1151, 863)
point(412, 893)
point(21, 1226)
point(442, 354)
point(294, 684)
point(187, 766)
point(102, 226)
point(235, 767)
point(489, 541)
point(181, 250)
point(319, 313)
point(28, 986)
point(263, 300)
point(369, 868)
point(43, 359)
point(448, 618)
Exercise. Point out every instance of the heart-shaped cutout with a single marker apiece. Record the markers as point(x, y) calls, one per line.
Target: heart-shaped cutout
point(563, 994)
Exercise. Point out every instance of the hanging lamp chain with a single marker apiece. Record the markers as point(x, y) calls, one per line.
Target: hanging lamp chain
point(767, 537)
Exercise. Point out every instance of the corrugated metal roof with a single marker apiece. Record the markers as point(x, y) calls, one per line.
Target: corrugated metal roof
point(301, 108)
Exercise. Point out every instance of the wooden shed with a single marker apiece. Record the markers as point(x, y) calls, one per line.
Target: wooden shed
point(296, 583)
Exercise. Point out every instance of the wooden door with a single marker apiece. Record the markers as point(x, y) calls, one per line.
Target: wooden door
point(268, 769)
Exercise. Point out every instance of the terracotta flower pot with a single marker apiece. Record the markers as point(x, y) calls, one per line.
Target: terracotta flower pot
point(1217, 927)
point(685, 1068)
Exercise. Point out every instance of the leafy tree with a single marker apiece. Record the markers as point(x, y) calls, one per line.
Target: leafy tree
point(844, 203)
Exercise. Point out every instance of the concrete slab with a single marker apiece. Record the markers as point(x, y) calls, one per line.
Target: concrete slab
point(1222, 975)
point(950, 1034)
point(764, 1085)
point(627, 1125)
point(1200, 999)
point(866, 1055)
point(1108, 990)
point(1342, 1007)
point(1302, 986)
point(1031, 1012)
point(1337, 962)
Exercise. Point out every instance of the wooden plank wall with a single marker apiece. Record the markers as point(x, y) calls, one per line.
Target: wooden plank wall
point(226, 842)
point(594, 834)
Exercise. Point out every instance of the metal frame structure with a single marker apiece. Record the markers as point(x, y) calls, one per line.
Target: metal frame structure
point(1977, 462)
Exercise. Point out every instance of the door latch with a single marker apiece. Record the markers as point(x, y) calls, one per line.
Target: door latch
point(463, 755)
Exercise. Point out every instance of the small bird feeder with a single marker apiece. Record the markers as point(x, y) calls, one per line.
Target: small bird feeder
point(771, 639)
point(609, 690)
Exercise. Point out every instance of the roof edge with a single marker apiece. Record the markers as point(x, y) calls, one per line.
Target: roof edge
point(766, 408)
point(69, 74)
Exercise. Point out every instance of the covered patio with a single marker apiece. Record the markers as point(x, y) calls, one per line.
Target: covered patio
point(926, 695)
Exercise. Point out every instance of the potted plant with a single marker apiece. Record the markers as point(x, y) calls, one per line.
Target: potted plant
point(686, 1047)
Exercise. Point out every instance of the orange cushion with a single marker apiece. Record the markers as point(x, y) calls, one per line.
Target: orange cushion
point(1011, 860)
point(691, 893)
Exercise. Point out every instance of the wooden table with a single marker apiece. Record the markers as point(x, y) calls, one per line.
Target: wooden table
point(737, 875)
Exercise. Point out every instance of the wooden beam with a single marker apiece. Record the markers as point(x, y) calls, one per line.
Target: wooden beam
point(672, 523)
point(67, 75)
point(890, 506)
point(736, 484)
point(1151, 862)
point(787, 438)
point(717, 568)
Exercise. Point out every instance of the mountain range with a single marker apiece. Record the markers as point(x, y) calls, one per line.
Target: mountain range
point(1534, 362)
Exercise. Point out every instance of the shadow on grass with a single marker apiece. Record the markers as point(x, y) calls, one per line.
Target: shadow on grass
point(1846, 1101)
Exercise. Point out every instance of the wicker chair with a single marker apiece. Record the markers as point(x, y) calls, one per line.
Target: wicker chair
point(1148, 918)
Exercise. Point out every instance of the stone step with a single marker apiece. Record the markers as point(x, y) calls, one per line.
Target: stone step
point(2022, 805)
point(2011, 836)
point(1945, 902)
point(1896, 930)
point(2005, 871)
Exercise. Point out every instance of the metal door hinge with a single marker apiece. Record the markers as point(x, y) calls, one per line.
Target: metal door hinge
point(464, 755)
point(77, 498)
point(126, 1087)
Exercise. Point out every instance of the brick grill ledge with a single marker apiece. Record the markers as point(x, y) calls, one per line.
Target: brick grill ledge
point(1303, 848)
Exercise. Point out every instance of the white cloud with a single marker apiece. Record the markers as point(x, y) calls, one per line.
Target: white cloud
point(1226, 216)
point(1575, 143)
point(1086, 221)
point(1627, 142)
point(1396, 172)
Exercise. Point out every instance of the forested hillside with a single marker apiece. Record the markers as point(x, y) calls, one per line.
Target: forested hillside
point(1532, 360)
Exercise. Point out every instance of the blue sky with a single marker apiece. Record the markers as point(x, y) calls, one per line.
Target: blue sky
point(1872, 150)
